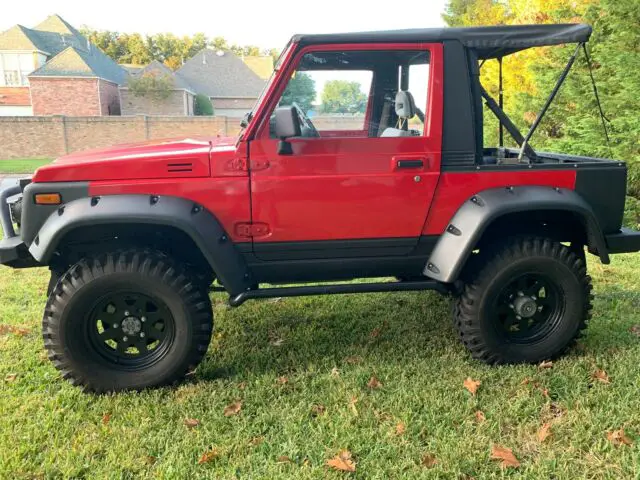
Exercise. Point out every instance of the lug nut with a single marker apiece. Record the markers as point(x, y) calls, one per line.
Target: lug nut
point(126, 313)
point(115, 325)
point(520, 294)
point(511, 306)
point(143, 319)
point(141, 334)
point(518, 317)
point(124, 339)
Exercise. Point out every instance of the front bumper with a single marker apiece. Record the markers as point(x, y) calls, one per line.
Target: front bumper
point(13, 251)
point(624, 241)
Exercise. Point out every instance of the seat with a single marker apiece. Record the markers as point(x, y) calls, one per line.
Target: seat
point(405, 110)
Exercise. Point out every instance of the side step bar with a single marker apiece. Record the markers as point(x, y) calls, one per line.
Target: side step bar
point(339, 289)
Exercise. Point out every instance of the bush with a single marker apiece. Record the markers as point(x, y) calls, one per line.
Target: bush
point(203, 107)
point(632, 213)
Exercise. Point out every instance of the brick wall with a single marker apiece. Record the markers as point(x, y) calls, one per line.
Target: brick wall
point(109, 97)
point(147, 105)
point(65, 96)
point(14, 96)
point(52, 136)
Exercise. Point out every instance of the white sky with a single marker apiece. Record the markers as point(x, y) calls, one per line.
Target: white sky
point(265, 23)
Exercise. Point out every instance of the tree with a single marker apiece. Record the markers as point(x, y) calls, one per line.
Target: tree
point(203, 106)
point(301, 90)
point(151, 84)
point(342, 96)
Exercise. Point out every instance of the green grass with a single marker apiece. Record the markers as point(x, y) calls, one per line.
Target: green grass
point(22, 165)
point(49, 429)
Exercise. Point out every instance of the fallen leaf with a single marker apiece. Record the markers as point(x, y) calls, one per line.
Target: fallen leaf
point(335, 372)
point(544, 391)
point(353, 359)
point(256, 440)
point(10, 377)
point(284, 459)
point(635, 330)
point(471, 385)
point(242, 385)
point(276, 342)
point(375, 333)
point(352, 405)
point(317, 410)
point(232, 409)
point(505, 455)
point(191, 422)
point(601, 376)
point(544, 432)
point(13, 329)
point(480, 418)
point(374, 383)
point(618, 437)
point(526, 381)
point(400, 429)
point(343, 462)
point(150, 459)
point(282, 380)
point(429, 460)
point(106, 418)
point(209, 455)
point(546, 364)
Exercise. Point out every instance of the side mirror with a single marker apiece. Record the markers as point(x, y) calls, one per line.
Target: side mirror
point(287, 126)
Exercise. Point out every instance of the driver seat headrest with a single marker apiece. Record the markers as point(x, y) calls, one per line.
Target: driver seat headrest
point(405, 105)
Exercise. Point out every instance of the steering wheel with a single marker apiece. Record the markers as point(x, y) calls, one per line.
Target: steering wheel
point(307, 128)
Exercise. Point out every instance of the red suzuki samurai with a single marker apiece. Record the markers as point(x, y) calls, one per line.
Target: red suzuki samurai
point(394, 182)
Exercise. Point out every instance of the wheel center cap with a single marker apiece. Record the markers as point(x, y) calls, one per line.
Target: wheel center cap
point(525, 306)
point(131, 325)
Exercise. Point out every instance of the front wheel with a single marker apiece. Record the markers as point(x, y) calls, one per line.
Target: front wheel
point(126, 321)
point(527, 301)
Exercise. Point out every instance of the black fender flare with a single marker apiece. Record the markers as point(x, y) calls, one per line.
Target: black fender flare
point(189, 217)
point(472, 219)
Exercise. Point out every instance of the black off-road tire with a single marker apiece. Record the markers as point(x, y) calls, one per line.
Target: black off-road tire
point(149, 281)
point(481, 318)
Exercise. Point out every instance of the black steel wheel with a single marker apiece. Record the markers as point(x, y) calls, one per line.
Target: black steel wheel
point(127, 320)
point(527, 301)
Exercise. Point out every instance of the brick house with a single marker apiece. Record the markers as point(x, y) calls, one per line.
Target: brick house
point(52, 69)
point(225, 78)
point(179, 100)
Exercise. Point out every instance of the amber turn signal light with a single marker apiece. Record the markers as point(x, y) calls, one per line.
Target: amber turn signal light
point(48, 199)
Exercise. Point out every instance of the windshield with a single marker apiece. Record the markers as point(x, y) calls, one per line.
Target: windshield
point(249, 116)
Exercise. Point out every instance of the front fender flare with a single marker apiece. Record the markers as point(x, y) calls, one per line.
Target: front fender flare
point(192, 219)
point(472, 219)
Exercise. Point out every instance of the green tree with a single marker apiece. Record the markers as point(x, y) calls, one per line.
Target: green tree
point(152, 85)
point(301, 90)
point(342, 96)
point(203, 106)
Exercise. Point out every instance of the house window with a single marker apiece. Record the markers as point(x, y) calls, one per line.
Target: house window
point(14, 68)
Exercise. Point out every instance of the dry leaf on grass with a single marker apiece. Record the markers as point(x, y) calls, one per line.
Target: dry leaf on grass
point(150, 459)
point(505, 455)
point(429, 460)
point(282, 380)
point(480, 418)
point(601, 376)
point(232, 409)
point(106, 418)
point(471, 385)
point(352, 405)
point(343, 462)
point(374, 383)
point(335, 372)
point(256, 440)
point(4, 328)
point(353, 359)
point(375, 333)
point(191, 422)
point(544, 432)
point(400, 429)
point(10, 377)
point(242, 385)
point(546, 364)
point(635, 330)
point(618, 437)
point(209, 455)
point(284, 459)
point(317, 410)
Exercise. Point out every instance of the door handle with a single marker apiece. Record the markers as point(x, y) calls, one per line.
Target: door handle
point(409, 163)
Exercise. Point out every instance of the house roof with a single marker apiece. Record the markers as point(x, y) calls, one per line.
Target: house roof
point(156, 67)
point(75, 62)
point(261, 65)
point(487, 42)
point(51, 36)
point(221, 74)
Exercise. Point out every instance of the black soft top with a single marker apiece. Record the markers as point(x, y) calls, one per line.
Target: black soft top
point(487, 42)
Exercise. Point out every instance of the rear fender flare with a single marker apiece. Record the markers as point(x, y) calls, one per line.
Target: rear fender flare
point(192, 219)
point(474, 217)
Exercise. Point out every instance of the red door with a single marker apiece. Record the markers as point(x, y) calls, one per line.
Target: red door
point(349, 183)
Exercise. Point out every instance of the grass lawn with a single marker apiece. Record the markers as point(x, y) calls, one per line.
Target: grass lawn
point(300, 368)
point(22, 165)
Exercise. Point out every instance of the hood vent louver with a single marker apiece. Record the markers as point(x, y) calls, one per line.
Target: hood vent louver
point(179, 167)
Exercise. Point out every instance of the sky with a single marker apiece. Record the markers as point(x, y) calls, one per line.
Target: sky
point(265, 23)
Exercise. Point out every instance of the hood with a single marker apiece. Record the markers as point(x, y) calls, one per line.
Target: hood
point(183, 157)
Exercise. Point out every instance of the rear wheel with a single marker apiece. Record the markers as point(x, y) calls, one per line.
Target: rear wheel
point(127, 320)
point(527, 301)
